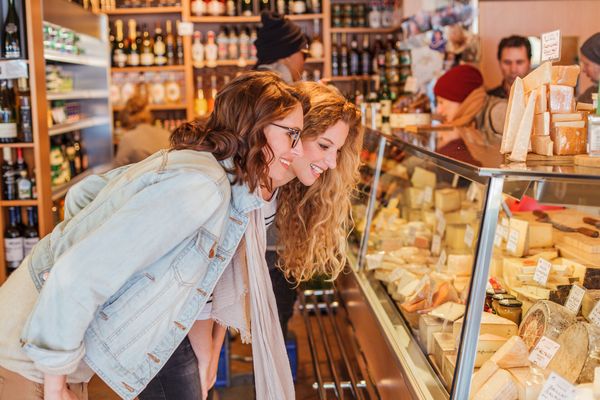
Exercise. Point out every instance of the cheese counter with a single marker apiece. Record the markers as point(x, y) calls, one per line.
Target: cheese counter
point(472, 277)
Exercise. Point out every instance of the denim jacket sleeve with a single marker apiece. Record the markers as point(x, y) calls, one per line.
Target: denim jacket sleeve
point(145, 228)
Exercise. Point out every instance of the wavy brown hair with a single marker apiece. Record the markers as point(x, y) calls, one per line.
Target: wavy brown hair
point(314, 221)
point(243, 109)
point(135, 112)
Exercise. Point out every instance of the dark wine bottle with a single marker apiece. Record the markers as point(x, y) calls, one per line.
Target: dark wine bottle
point(11, 43)
point(13, 241)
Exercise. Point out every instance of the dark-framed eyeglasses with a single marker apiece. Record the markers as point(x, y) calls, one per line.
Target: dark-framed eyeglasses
point(293, 132)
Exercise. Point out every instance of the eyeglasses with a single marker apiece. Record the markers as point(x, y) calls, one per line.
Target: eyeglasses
point(293, 132)
point(305, 53)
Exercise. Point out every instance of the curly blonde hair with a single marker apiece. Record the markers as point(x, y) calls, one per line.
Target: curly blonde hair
point(314, 221)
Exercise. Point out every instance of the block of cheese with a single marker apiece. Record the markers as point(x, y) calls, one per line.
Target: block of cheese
point(421, 178)
point(413, 197)
point(499, 387)
point(542, 75)
point(565, 75)
point(541, 124)
point(513, 353)
point(447, 200)
point(406, 290)
point(567, 124)
point(577, 357)
point(540, 235)
point(576, 116)
point(590, 298)
point(449, 311)
point(585, 107)
point(461, 283)
point(568, 140)
point(521, 376)
point(541, 101)
point(545, 318)
point(443, 344)
point(490, 323)
point(459, 264)
point(455, 237)
point(514, 114)
point(523, 137)
point(448, 367)
point(542, 145)
point(428, 325)
point(480, 377)
point(487, 345)
point(560, 98)
point(518, 229)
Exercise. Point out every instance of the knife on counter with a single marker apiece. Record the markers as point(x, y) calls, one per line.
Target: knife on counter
point(544, 217)
point(592, 221)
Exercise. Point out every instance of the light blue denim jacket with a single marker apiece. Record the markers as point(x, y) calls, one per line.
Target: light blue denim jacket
point(123, 280)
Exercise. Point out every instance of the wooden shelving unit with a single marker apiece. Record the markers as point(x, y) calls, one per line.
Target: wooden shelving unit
point(364, 30)
point(159, 107)
point(165, 68)
point(144, 10)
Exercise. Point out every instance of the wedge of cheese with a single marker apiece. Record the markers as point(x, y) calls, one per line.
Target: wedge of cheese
point(541, 101)
point(561, 99)
point(522, 140)
point(565, 75)
point(455, 237)
point(542, 145)
point(542, 75)
point(514, 114)
point(480, 377)
point(499, 387)
point(541, 124)
point(521, 377)
point(513, 353)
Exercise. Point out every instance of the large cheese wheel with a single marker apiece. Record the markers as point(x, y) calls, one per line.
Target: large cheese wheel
point(577, 356)
point(544, 318)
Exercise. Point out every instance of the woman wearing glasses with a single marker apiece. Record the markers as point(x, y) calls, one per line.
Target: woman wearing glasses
point(116, 287)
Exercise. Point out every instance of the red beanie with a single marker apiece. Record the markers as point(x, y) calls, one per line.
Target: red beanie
point(458, 83)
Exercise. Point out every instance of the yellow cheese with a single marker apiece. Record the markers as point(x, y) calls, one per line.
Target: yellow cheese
point(490, 323)
point(461, 283)
point(487, 345)
point(542, 75)
point(459, 264)
point(449, 311)
point(499, 387)
point(447, 200)
point(541, 101)
point(522, 140)
point(585, 107)
point(590, 299)
point(541, 124)
point(514, 353)
point(448, 367)
point(542, 145)
point(480, 377)
point(561, 99)
point(443, 344)
point(413, 197)
point(421, 178)
point(540, 235)
point(568, 124)
point(428, 325)
point(521, 376)
point(565, 75)
point(569, 141)
point(567, 117)
point(514, 114)
point(455, 236)
point(518, 229)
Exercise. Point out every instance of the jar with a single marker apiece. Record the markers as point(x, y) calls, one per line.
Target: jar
point(510, 309)
point(500, 296)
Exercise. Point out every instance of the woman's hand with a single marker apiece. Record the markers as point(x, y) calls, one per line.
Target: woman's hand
point(55, 388)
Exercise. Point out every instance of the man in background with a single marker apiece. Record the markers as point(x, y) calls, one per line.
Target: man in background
point(514, 57)
point(590, 65)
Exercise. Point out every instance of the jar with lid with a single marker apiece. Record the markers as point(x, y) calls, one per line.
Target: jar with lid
point(510, 309)
point(500, 296)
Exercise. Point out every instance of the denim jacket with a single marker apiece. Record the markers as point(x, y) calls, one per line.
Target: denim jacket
point(123, 280)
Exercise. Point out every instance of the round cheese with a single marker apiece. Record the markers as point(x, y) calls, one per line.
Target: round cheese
point(577, 357)
point(544, 318)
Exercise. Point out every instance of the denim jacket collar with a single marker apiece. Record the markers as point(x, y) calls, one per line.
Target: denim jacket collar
point(242, 200)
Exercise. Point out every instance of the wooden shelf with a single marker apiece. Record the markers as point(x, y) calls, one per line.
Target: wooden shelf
point(156, 68)
point(159, 107)
point(58, 192)
point(143, 10)
point(18, 203)
point(254, 18)
point(81, 124)
point(17, 145)
point(79, 95)
point(51, 55)
point(236, 63)
point(350, 78)
point(364, 30)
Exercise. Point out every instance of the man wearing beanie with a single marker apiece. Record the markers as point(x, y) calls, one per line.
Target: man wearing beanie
point(590, 64)
point(281, 47)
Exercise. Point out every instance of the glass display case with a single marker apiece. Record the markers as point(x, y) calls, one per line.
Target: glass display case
point(481, 276)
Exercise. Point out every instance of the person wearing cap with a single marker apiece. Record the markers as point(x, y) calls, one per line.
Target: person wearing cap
point(281, 47)
point(590, 64)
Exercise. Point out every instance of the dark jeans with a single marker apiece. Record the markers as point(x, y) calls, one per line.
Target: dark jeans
point(285, 293)
point(179, 379)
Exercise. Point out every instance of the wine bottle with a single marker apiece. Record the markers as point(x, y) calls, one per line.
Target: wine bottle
point(147, 53)
point(11, 43)
point(200, 106)
point(23, 186)
point(385, 102)
point(233, 49)
point(316, 45)
point(335, 65)
point(30, 234)
point(160, 49)
point(21, 165)
point(170, 41)
point(211, 50)
point(9, 188)
point(299, 6)
point(25, 126)
point(179, 43)
point(365, 57)
point(344, 67)
point(354, 57)
point(247, 8)
point(253, 36)
point(265, 5)
point(198, 50)
point(230, 8)
point(119, 56)
point(133, 54)
point(13, 241)
point(172, 90)
point(198, 7)
point(222, 41)
point(8, 123)
point(244, 41)
point(213, 93)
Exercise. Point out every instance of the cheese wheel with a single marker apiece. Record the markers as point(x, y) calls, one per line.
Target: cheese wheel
point(577, 356)
point(544, 318)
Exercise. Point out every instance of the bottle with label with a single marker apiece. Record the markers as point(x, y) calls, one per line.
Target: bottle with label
point(265, 5)
point(211, 50)
point(23, 186)
point(198, 8)
point(25, 118)
point(9, 186)
point(213, 93)
point(244, 41)
point(179, 43)
point(200, 106)
point(216, 8)
point(230, 8)
point(13, 241)
point(30, 233)
point(233, 49)
point(198, 50)
point(133, 53)
point(385, 102)
point(316, 45)
point(344, 64)
point(172, 90)
point(222, 43)
point(281, 6)
point(317, 75)
point(11, 31)
point(142, 86)
point(160, 48)
point(316, 6)
point(247, 8)
point(299, 6)
point(33, 186)
point(335, 66)
point(387, 14)
point(8, 123)
point(119, 55)
point(374, 14)
point(20, 165)
point(147, 52)
point(354, 57)
point(170, 43)
point(253, 36)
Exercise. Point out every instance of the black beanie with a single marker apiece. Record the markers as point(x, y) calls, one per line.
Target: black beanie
point(278, 38)
point(591, 48)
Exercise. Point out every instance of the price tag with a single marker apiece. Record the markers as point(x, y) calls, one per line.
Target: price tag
point(543, 352)
point(436, 244)
point(428, 195)
point(504, 222)
point(551, 46)
point(185, 29)
point(442, 260)
point(595, 314)
point(513, 240)
point(472, 192)
point(557, 388)
point(420, 198)
point(498, 238)
point(542, 271)
point(469, 236)
point(504, 232)
point(13, 69)
point(575, 298)
point(441, 221)
point(455, 181)
point(411, 85)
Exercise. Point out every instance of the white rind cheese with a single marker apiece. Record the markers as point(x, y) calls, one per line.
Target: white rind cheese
point(499, 387)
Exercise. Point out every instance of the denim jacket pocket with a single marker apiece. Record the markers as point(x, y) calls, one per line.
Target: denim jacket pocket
point(123, 297)
point(192, 262)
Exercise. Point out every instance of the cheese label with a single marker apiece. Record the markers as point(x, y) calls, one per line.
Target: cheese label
point(472, 192)
point(455, 181)
point(442, 260)
point(557, 388)
point(441, 219)
point(428, 195)
point(512, 241)
point(543, 352)
point(542, 271)
point(420, 198)
point(504, 222)
point(469, 236)
point(436, 244)
point(185, 29)
point(498, 238)
point(595, 314)
point(551, 46)
point(575, 298)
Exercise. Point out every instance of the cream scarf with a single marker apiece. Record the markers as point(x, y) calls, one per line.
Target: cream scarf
point(233, 303)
